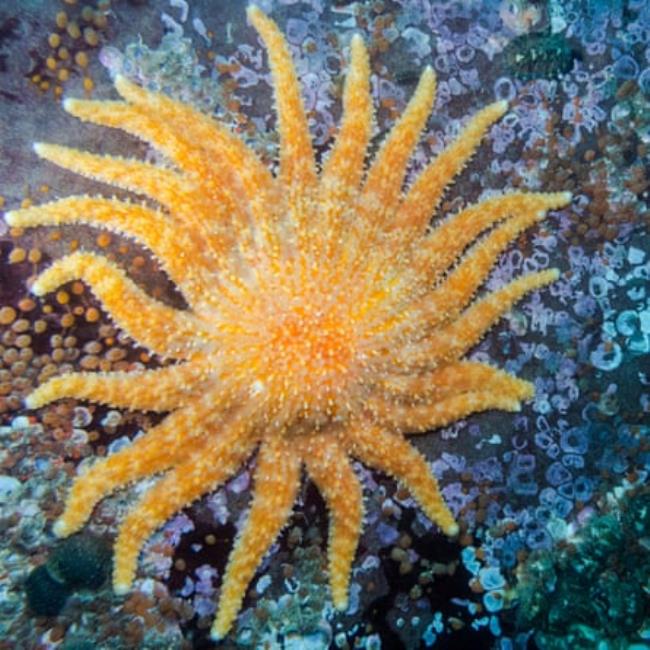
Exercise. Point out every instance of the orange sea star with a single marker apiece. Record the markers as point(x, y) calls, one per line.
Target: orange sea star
point(326, 318)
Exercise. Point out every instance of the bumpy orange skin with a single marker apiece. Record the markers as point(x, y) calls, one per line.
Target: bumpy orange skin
point(325, 319)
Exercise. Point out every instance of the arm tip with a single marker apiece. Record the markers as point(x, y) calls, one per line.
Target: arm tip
point(37, 289)
point(253, 11)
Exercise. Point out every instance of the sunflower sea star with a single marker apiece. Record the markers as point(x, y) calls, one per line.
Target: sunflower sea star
point(326, 318)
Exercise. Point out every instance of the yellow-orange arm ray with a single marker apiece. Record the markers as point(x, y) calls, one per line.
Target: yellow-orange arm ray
point(423, 197)
point(328, 466)
point(206, 466)
point(449, 239)
point(160, 184)
point(391, 453)
point(276, 480)
point(177, 249)
point(145, 125)
point(129, 306)
point(381, 192)
point(451, 341)
point(163, 389)
point(422, 417)
point(343, 169)
point(154, 452)
point(454, 378)
point(297, 164)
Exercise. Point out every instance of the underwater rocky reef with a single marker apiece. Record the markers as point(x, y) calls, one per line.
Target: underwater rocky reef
point(552, 501)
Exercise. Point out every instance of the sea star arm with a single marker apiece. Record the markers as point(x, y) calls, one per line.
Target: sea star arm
point(391, 453)
point(203, 470)
point(447, 300)
point(163, 389)
point(422, 417)
point(453, 340)
point(424, 195)
point(143, 124)
point(381, 191)
point(162, 185)
point(168, 242)
point(253, 204)
point(343, 169)
point(297, 165)
point(206, 134)
point(154, 452)
point(216, 176)
point(454, 378)
point(449, 239)
point(277, 476)
point(328, 466)
point(166, 331)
